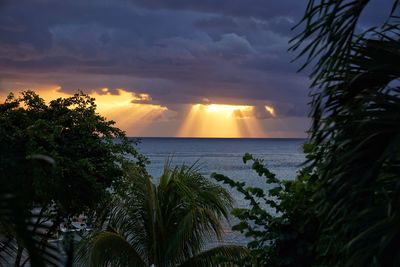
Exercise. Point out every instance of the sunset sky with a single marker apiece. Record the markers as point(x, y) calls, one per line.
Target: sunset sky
point(185, 68)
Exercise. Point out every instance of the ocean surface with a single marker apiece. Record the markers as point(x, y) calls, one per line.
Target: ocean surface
point(281, 156)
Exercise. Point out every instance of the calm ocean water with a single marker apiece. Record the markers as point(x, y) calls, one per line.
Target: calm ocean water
point(282, 156)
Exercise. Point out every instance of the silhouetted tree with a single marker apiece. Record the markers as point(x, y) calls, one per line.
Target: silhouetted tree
point(355, 133)
point(85, 151)
point(168, 224)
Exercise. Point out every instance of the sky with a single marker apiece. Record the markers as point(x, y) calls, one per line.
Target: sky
point(184, 68)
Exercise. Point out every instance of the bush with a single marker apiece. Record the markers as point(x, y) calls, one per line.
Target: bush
point(281, 227)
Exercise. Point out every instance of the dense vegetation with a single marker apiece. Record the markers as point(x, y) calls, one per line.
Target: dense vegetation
point(355, 134)
point(280, 223)
point(168, 224)
point(56, 160)
point(343, 208)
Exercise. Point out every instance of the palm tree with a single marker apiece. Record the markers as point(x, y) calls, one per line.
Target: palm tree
point(168, 224)
point(355, 131)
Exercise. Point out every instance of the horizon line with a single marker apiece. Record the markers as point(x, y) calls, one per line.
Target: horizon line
point(179, 137)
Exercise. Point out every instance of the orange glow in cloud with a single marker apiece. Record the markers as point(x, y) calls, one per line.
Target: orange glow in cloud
point(220, 121)
point(134, 117)
point(124, 107)
point(135, 114)
point(228, 110)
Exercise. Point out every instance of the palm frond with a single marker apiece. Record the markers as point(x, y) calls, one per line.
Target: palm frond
point(18, 230)
point(228, 255)
point(109, 249)
point(193, 211)
point(329, 29)
point(356, 131)
point(166, 223)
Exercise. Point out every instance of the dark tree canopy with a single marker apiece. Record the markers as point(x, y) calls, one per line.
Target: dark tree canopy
point(343, 207)
point(355, 131)
point(84, 152)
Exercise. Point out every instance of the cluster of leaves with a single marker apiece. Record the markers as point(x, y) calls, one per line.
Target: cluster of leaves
point(355, 132)
point(68, 130)
point(85, 151)
point(18, 228)
point(279, 224)
point(168, 224)
point(343, 208)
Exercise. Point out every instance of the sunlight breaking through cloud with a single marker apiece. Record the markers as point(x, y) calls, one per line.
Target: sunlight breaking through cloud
point(139, 115)
point(217, 120)
point(270, 110)
point(132, 112)
point(229, 110)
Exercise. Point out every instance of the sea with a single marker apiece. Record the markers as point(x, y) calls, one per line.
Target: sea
point(225, 156)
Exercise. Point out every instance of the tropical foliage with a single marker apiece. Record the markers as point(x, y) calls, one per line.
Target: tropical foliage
point(18, 229)
point(356, 132)
point(278, 222)
point(58, 160)
point(168, 224)
point(343, 208)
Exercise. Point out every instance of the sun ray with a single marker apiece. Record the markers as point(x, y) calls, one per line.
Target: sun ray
point(136, 114)
point(124, 107)
point(220, 120)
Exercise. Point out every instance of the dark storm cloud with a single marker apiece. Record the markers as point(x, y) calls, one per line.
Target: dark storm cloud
point(179, 52)
point(248, 8)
